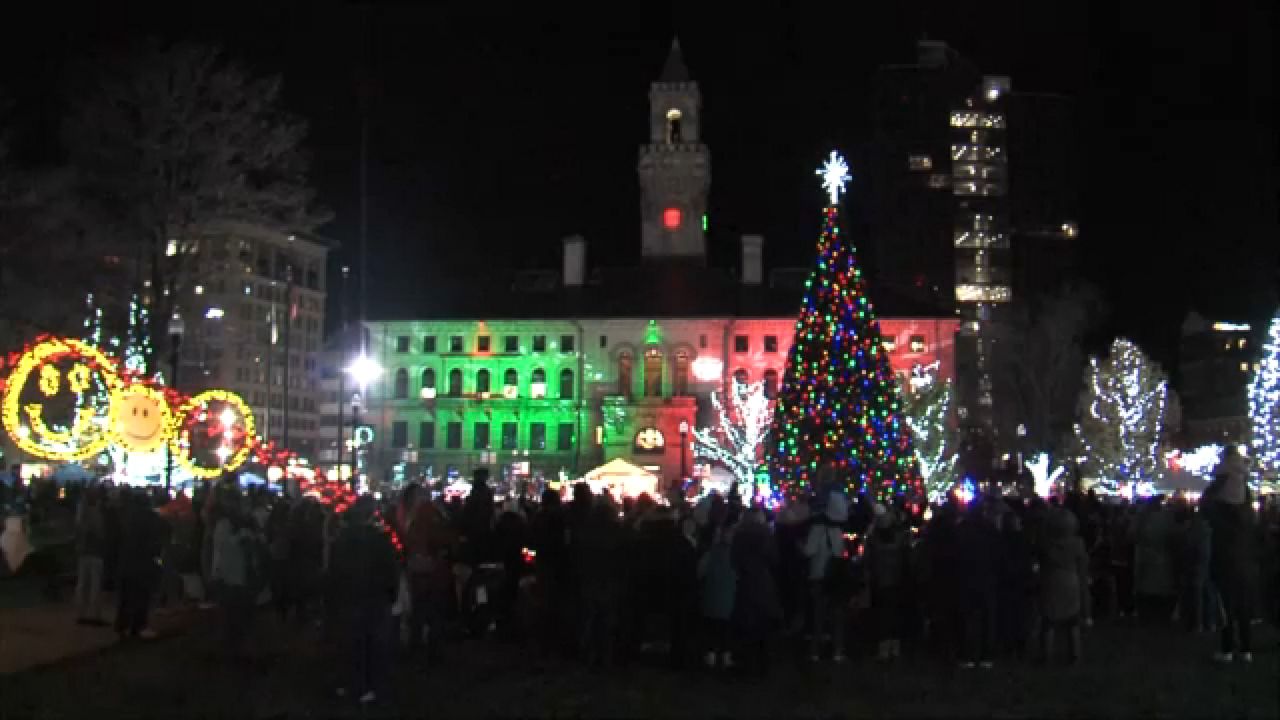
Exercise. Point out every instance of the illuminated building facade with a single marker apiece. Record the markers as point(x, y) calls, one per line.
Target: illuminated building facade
point(554, 374)
point(1215, 362)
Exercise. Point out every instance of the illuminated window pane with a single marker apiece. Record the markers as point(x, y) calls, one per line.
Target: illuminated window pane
point(671, 218)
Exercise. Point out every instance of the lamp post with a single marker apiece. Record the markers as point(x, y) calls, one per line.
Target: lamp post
point(176, 330)
point(684, 446)
point(363, 370)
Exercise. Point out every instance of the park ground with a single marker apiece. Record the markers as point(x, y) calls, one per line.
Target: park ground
point(55, 669)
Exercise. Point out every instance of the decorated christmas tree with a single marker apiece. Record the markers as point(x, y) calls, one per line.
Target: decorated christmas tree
point(934, 435)
point(1264, 407)
point(838, 405)
point(1122, 417)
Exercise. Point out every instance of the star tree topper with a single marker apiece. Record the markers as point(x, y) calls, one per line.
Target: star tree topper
point(834, 173)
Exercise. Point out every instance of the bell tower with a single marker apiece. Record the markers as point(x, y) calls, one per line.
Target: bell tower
point(674, 167)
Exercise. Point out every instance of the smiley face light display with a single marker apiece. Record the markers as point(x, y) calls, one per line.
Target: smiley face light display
point(140, 418)
point(56, 401)
point(213, 433)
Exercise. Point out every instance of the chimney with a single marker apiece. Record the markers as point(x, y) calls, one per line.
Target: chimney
point(752, 259)
point(575, 260)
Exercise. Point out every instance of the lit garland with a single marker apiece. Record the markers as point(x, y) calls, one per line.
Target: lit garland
point(233, 427)
point(737, 441)
point(934, 436)
point(85, 433)
point(138, 341)
point(1264, 408)
point(1123, 417)
point(839, 403)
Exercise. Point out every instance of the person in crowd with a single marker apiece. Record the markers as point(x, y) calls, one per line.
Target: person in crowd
point(793, 567)
point(979, 556)
point(718, 583)
point(1017, 585)
point(551, 568)
point(364, 577)
point(1122, 535)
point(90, 547)
point(830, 580)
point(477, 520)
point(943, 582)
point(887, 561)
point(1153, 561)
point(283, 578)
point(510, 540)
point(239, 575)
point(598, 551)
point(1064, 579)
point(1194, 597)
point(756, 607)
point(138, 565)
point(1233, 557)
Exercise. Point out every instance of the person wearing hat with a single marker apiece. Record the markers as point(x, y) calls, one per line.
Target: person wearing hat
point(1233, 559)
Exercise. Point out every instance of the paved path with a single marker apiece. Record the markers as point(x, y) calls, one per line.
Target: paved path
point(43, 634)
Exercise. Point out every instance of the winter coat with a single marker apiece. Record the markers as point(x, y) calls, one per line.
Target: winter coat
point(755, 560)
point(1064, 569)
point(234, 554)
point(1233, 553)
point(91, 535)
point(887, 561)
point(1153, 554)
point(364, 570)
point(718, 580)
point(978, 556)
point(140, 542)
point(823, 542)
point(1196, 550)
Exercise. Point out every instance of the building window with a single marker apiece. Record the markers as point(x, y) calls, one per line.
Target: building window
point(740, 343)
point(653, 374)
point(399, 434)
point(564, 437)
point(771, 384)
point(511, 344)
point(402, 344)
point(919, 162)
point(428, 383)
point(917, 344)
point(509, 436)
point(889, 344)
point(539, 343)
point(702, 342)
point(483, 343)
point(482, 382)
point(455, 383)
point(673, 126)
point(680, 378)
point(481, 436)
point(538, 436)
point(566, 343)
point(566, 384)
point(538, 383)
point(429, 344)
point(740, 376)
point(426, 435)
point(401, 385)
point(771, 343)
point(455, 343)
point(453, 436)
point(604, 341)
point(624, 374)
point(510, 379)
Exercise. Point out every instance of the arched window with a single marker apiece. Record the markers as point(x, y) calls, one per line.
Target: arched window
point(624, 374)
point(511, 378)
point(482, 381)
point(538, 383)
point(680, 379)
point(401, 389)
point(771, 384)
point(428, 383)
point(673, 126)
point(566, 384)
point(455, 383)
point(653, 373)
point(740, 376)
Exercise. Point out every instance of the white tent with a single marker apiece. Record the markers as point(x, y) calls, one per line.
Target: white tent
point(621, 478)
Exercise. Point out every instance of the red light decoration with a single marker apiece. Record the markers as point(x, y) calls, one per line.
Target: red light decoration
point(671, 218)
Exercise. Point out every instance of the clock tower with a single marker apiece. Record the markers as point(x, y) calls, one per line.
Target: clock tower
point(675, 168)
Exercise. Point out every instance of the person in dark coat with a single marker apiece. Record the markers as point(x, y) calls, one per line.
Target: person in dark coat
point(139, 565)
point(943, 580)
point(600, 572)
point(365, 575)
point(887, 569)
point(548, 534)
point(757, 610)
point(979, 558)
point(90, 545)
point(718, 582)
point(1017, 583)
point(1064, 581)
point(1233, 556)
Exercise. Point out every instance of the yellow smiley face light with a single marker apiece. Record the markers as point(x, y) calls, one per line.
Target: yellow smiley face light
point(140, 418)
point(61, 416)
point(213, 433)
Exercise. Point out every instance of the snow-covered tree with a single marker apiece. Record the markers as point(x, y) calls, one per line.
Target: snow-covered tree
point(737, 441)
point(927, 406)
point(1123, 414)
point(1264, 407)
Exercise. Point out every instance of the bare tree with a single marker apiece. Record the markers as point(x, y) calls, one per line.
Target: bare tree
point(1039, 361)
point(172, 142)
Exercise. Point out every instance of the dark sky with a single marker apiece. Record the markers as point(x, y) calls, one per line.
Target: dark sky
point(495, 132)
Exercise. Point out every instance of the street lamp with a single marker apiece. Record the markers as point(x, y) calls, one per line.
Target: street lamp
point(363, 370)
point(684, 442)
point(176, 330)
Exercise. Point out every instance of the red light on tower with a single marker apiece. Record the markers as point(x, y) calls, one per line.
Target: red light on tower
point(671, 218)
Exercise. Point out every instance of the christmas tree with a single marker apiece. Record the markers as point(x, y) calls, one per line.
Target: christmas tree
point(1264, 407)
point(934, 435)
point(1123, 416)
point(839, 405)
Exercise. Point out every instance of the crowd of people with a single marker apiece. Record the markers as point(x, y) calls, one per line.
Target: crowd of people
point(717, 581)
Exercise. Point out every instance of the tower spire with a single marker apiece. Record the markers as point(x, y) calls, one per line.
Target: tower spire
point(674, 69)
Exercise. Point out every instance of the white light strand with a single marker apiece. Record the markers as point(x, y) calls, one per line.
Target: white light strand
point(1042, 478)
point(1122, 428)
point(1264, 409)
point(743, 425)
point(927, 411)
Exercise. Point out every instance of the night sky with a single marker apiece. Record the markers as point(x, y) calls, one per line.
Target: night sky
point(496, 132)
